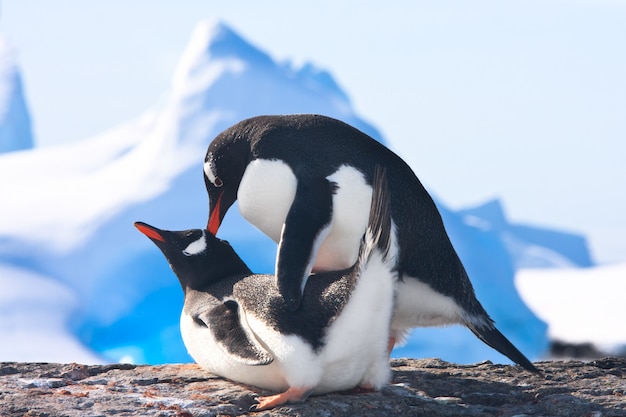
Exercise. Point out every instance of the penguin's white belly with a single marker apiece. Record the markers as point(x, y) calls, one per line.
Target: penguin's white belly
point(418, 305)
point(268, 188)
point(205, 350)
point(356, 342)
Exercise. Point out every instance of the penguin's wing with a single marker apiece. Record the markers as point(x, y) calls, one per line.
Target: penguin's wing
point(224, 321)
point(307, 224)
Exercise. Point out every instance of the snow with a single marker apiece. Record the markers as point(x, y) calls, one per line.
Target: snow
point(67, 215)
point(15, 125)
point(33, 315)
point(581, 305)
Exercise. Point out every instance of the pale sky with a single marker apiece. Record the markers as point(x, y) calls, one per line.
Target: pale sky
point(520, 100)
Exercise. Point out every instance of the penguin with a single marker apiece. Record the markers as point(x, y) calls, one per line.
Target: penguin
point(277, 167)
point(236, 324)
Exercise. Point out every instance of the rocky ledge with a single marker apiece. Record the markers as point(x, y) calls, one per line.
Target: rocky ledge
point(419, 388)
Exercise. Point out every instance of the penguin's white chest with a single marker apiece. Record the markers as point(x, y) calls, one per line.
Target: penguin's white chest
point(268, 188)
point(265, 194)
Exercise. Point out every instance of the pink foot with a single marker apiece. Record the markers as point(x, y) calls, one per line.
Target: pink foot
point(292, 395)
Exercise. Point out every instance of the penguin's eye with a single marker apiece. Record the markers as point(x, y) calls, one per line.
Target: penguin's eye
point(218, 182)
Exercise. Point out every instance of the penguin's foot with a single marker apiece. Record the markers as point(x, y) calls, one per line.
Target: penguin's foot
point(292, 395)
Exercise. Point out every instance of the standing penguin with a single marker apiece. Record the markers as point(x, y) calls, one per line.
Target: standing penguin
point(279, 169)
point(236, 324)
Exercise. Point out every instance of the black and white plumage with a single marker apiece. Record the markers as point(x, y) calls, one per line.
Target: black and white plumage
point(235, 323)
point(306, 182)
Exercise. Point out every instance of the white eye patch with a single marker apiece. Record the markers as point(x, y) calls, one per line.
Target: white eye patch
point(195, 247)
point(209, 171)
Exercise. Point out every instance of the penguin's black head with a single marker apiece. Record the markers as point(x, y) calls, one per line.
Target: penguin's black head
point(196, 256)
point(224, 165)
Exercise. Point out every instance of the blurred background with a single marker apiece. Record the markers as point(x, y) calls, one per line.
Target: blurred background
point(511, 114)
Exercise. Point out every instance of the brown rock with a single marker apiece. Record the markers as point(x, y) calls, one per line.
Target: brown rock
point(428, 387)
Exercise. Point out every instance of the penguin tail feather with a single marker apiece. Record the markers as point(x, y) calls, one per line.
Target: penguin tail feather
point(379, 234)
point(492, 337)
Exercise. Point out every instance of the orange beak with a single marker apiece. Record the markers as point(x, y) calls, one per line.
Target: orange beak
point(214, 218)
point(148, 231)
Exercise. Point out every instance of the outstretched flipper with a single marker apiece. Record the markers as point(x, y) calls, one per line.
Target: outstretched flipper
point(224, 321)
point(306, 226)
point(492, 337)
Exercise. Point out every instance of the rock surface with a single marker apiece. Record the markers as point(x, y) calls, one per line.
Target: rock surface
point(419, 388)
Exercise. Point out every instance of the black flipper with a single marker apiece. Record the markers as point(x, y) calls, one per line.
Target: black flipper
point(225, 323)
point(309, 216)
point(492, 337)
